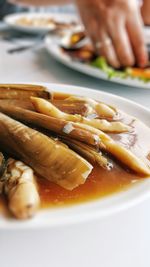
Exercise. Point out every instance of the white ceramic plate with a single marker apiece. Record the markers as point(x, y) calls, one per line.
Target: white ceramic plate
point(11, 20)
point(52, 46)
point(101, 207)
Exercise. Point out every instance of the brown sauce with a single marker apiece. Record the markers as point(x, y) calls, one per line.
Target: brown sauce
point(100, 182)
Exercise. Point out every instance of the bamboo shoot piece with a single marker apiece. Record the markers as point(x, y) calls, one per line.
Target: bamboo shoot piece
point(71, 108)
point(49, 158)
point(21, 189)
point(22, 91)
point(101, 108)
point(45, 107)
point(121, 153)
point(25, 104)
point(90, 153)
point(76, 107)
point(58, 126)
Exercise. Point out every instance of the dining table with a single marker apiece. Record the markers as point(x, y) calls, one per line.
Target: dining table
point(131, 244)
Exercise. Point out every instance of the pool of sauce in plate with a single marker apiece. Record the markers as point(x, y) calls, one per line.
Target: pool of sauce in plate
point(100, 182)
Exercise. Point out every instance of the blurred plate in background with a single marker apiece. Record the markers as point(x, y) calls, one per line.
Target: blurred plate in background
point(52, 45)
point(37, 22)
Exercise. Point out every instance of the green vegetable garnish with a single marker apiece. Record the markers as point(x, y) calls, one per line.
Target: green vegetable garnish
point(101, 63)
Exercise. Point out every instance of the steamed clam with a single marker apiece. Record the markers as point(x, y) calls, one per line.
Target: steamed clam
point(77, 45)
point(21, 189)
point(74, 39)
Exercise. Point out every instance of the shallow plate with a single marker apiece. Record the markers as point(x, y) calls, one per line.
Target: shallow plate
point(101, 207)
point(52, 46)
point(11, 20)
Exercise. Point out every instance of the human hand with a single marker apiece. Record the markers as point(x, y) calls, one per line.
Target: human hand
point(115, 27)
point(145, 10)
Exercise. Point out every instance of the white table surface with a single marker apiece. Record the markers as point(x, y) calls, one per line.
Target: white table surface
point(130, 246)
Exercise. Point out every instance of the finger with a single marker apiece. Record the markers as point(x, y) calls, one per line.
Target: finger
point(92, 30)
point(135, 31)
point(107, 51)
point(106, 48)
point(121, 43)
point(92, 27)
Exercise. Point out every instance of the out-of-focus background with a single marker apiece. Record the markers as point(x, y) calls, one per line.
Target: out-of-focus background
point(7, 7)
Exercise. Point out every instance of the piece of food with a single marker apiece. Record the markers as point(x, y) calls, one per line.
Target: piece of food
point(25, 104)
point(121, 153)
point(45, 107)
point(74, 40)
point(100, 108)
point(58, 126)
point(143, 74)
point(76, 107)
point(21, 189)
point(2, 164)
point(22, 91)
point(36, 22)
point(84, 54)
point(66, 106)
point(88, 152)
point(2, 170)
point(106, 126)
point(77, 37)
point(50, 158)
point(101, 63)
